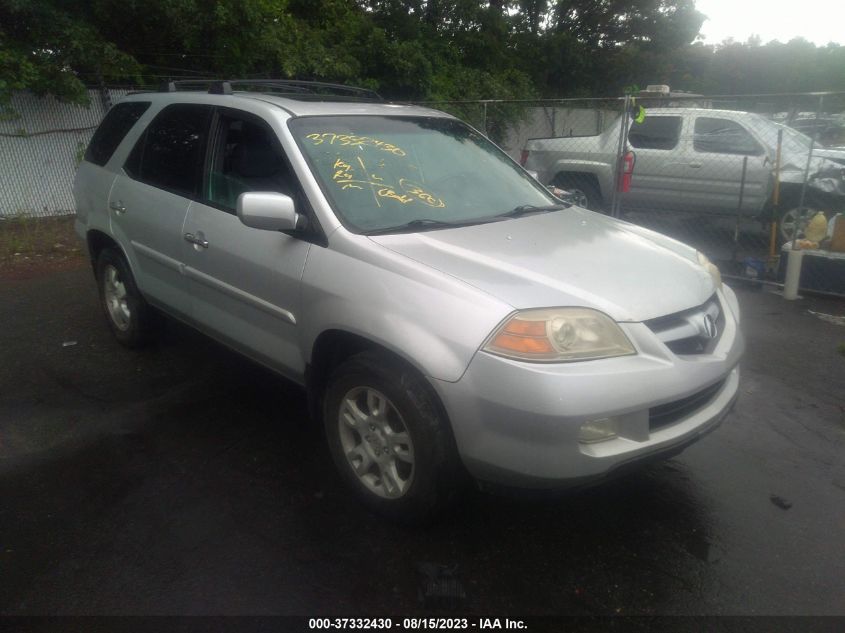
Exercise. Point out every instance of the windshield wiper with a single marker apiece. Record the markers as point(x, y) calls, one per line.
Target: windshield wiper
point(526, 209)
point(428, 223)
point(423, 223)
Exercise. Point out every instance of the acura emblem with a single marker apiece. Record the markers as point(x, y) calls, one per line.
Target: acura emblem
point(708, 327)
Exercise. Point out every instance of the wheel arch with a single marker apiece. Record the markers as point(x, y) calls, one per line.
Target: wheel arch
point(333, 347)
point(589, 178)
point(97, 241)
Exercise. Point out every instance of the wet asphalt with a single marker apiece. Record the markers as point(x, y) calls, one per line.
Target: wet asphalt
point(185, 480)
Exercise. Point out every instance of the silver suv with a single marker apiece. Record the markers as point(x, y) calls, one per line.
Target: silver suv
point(445, 313)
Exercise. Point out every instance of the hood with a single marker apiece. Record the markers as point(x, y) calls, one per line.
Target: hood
point(835, 154)
point(823, 161)
point(571, 257)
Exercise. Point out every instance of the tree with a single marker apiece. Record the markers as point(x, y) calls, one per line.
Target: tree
point(47, 49)
point(406, 49)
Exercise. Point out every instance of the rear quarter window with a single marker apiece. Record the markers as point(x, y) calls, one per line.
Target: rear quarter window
point(114, 128)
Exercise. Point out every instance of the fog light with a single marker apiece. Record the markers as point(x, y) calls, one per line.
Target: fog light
point(597, 431)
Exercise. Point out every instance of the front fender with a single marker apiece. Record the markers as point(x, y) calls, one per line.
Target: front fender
point(434, 321)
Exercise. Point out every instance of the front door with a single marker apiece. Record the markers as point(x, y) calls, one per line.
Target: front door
point(720, 147)
point(244, 282)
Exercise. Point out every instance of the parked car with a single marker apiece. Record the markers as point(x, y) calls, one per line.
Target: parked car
point(445, 313)
point(691, 160)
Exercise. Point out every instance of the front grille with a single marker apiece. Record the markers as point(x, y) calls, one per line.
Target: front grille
point(684, 332)
point(671, 412)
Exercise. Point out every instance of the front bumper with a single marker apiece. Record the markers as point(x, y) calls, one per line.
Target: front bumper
point(516, 424)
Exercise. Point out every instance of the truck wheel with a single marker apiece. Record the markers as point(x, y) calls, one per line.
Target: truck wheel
point(131, 320)
point(584, 191)
point(389, 440)
point(790, 217)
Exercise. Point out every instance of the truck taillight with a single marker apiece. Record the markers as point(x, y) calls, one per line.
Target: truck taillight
point(523, 157)
point(627, 172)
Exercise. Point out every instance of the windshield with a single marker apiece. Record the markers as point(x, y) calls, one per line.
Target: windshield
point(381, 172)
point(794, 142)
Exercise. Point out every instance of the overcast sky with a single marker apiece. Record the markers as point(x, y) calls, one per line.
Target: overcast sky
point(819, 21)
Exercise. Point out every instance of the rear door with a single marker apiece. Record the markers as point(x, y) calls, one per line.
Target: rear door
point(149, 201)
point(244, 282)
point(658, 181)
point(93, 180)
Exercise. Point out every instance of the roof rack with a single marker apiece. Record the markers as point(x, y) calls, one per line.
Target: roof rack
point(288, 87)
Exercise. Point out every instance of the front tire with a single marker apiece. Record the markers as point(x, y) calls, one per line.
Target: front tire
point(389, 439)
point(789, 218)
point(132, 321)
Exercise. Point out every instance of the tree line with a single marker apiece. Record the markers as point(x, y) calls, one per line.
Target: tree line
point(405, 49)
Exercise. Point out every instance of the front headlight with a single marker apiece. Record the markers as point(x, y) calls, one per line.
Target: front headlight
point(559, 335)
point(711, 268)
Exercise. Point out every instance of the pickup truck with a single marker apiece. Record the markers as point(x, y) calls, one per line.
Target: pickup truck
point(690, 160)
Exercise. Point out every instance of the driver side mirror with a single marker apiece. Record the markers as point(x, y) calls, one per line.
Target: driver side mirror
point(268, 211)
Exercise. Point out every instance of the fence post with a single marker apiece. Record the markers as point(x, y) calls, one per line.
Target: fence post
point(739, 206)
point(807, 172)
point(484, 118)
point(620, 152)
point(775, 202)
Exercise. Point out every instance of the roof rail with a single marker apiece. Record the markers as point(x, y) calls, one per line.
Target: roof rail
point(273, 86)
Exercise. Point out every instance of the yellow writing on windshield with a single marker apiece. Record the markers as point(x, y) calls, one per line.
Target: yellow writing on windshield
point(346, 176)
point(421, 194)
point(353, 140)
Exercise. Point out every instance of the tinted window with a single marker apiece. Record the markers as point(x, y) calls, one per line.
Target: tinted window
point(659, 132)
point(170, 153)
point(247, 157)
point(724, 137)
point(114, 127)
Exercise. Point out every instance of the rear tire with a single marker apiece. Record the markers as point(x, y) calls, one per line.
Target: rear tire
point(389, 439)
point(132, 321)
point(585, 192)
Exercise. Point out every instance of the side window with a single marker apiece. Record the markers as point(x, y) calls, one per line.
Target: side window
point(114, 127)
point(169, 154)
point(658, 132)
point(247, 157)
point(722, 136)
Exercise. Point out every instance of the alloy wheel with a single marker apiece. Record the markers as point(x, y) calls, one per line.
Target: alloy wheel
point(114, 294)
point(376, 442)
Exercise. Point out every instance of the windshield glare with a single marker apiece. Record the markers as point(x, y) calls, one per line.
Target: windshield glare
point(381, 172)
point(794, 142)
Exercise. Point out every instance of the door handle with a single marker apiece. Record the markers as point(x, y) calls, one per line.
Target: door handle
point(695, 165)
point(193, 239)
point(117, 207)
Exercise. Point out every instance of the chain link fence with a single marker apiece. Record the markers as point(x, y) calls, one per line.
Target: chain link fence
point(42, 141)
point(744, 179)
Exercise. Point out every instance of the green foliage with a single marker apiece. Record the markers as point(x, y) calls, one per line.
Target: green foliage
point(406, 49)
point(79, 155)
point(47, 49)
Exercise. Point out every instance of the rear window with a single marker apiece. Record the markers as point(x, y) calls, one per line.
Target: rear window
point(658, 132)
point(113, 129)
